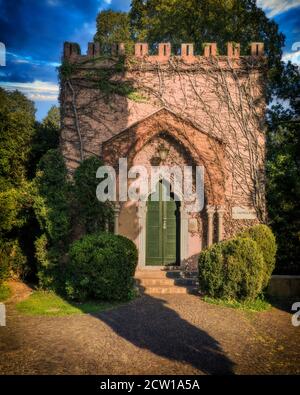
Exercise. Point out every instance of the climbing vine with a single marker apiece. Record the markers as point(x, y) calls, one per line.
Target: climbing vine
point(221, 96)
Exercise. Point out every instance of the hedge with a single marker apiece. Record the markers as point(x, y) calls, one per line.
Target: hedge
point(266, 242)
point(101, 266)
point(233, 269)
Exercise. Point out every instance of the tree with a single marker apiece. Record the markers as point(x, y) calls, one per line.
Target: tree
point(16, 133)
point(199, 21)
point(112, 27)
point(283, 170)
point(46, 137)
point(17, 117)
point(52, 210)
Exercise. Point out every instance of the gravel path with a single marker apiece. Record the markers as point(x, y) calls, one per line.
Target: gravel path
point(152, 335)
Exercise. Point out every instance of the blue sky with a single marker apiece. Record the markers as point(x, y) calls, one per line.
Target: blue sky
point(33, 32)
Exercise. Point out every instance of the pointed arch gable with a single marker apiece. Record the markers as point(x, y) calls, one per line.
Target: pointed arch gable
point(203, 149)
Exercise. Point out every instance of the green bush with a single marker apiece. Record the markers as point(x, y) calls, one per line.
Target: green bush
point(233, 269)
point(266, 242)
point(101, 266)
point(13, 263)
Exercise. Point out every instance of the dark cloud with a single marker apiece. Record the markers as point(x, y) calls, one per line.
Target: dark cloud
point(38, 28)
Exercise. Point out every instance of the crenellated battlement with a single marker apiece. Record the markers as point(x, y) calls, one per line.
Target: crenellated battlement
point(72, 51)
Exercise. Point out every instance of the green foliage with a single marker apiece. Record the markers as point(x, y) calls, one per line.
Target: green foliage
point(48, 271)
point(113, 27)
point(102, 267)
point(13, 263)
point(198, 22)
point(283, 172)
point(255, 305)
point(5, 292)
point(16, 132)
point(14, 208)
point(52, 209)
point(10, 210)
point(4, 264)
point(233, 269)
point(266, 243)
point(108, 86)
point(50, 304)
point(66, 70)
point(46, 137)
point(137, 97)
point(90, 212)
point(52, 204)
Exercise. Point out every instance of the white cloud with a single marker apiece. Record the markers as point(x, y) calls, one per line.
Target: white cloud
point(37, 90)
point(16, 58)
point(276, 7)
point(21, 61)
point(294, 57)
point(53, 3)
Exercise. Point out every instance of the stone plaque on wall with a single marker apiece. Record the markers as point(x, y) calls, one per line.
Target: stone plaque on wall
point(239, 212)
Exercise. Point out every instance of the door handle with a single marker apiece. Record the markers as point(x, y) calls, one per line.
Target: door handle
point(165, 223)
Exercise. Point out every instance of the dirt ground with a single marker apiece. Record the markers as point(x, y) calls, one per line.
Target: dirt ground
point(172, 334)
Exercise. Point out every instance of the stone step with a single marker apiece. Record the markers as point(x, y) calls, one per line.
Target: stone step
point(165, 290)
point(146, 282)
point(186, 281)
point(157, 274)
point(158, 281)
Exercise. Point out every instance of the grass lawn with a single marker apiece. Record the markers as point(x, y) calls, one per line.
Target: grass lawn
point(5, 292)
point(50, 304)
point(255, 305)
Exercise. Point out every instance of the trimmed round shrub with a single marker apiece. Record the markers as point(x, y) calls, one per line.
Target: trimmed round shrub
point(266, 242)
point(101, 266)
point(233, 269)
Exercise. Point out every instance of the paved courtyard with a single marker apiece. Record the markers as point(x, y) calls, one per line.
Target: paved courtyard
point(152, 335)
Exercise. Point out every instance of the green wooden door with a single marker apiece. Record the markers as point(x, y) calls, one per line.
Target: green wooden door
point(162, 231)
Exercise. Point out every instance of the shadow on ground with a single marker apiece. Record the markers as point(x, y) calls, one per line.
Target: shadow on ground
point(150, 324)
point(284, 304)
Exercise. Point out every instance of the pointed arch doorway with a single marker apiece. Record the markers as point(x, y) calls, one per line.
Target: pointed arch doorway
point(162, 228)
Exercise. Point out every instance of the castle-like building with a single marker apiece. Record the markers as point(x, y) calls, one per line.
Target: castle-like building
point(197, 110)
